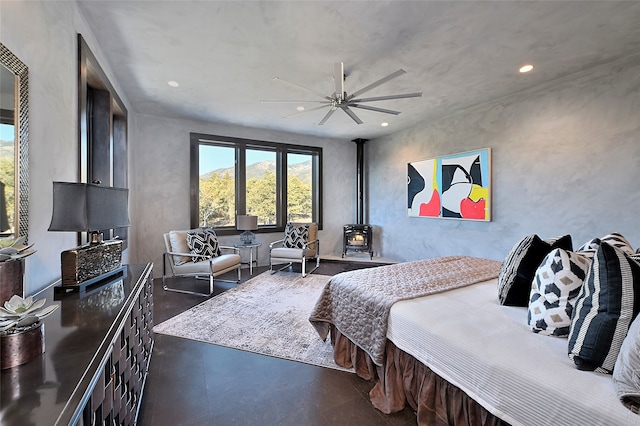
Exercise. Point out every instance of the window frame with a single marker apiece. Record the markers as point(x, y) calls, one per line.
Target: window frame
point(241, 145)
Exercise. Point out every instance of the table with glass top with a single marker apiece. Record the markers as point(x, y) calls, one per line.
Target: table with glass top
point(253, 246)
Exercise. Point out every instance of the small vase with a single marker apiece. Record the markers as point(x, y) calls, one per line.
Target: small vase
point(20, 346)
point(11, 279)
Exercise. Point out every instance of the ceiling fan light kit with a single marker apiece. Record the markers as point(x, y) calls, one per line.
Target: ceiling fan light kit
point(341, 100)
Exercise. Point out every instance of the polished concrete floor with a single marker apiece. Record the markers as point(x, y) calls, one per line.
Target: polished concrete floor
point(194, 383)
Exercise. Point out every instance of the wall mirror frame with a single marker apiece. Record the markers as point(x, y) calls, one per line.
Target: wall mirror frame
point(20, 119)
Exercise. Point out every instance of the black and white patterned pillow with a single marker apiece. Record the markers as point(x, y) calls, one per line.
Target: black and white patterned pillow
point(296, 236)
point(519, 267)
point(589, 248)
point(555, 289)
point(607, 304)
point(617, 240)
point(614, 239)
point(203, 242)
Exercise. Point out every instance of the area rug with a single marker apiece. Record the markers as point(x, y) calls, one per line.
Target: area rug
point(268, 315)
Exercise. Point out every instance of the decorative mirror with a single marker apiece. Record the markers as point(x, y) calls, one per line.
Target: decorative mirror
point(14, 144)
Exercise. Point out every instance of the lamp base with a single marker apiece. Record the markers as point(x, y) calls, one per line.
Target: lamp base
point(90, 261)
point(247, 237)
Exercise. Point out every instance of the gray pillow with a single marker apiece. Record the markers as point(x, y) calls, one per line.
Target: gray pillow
point(626, 373)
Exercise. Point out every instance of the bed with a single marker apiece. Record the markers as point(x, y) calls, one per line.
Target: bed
point(457, 356)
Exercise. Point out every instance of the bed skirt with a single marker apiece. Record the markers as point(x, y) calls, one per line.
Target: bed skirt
point(403, 380)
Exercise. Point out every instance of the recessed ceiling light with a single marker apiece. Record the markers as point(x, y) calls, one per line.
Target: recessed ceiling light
point(300, 108)
point(385, 124)
point(526, 68)
point(173, 83)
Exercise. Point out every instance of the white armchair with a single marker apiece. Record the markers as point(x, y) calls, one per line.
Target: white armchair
point(196, 253)
point(299, 244)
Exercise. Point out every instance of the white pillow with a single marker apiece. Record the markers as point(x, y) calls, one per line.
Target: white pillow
point(626, 372)
point(178, 241)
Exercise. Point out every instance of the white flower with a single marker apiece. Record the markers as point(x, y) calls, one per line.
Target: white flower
point(19, 312)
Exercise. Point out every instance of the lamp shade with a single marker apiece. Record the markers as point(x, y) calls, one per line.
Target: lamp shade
point(88, 207)
point(247, 222)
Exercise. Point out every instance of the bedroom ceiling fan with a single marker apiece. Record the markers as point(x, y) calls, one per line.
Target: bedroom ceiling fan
point(344, 101)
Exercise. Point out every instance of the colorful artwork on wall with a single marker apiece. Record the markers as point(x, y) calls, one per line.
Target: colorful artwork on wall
point(456, 186)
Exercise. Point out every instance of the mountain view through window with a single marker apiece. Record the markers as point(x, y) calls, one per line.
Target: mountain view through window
point(217, 207)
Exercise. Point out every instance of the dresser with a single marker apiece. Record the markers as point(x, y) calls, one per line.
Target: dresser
point(98, 346)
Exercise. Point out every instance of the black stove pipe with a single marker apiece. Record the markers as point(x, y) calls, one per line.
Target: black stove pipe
point(360, 179)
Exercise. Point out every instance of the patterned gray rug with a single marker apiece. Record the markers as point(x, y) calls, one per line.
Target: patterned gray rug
point(268, 315)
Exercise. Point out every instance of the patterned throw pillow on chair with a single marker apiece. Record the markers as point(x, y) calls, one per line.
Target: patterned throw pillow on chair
point(296, 236)
point(203, 242)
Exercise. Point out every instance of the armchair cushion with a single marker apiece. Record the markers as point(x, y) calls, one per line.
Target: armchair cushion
point(287, 253)
point(203, 242)
point(179, 244)
point(214, 265)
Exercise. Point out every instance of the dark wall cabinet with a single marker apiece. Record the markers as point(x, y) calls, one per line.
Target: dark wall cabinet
point(98, 349)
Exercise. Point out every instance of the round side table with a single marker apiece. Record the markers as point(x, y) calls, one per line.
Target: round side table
point(251, 247)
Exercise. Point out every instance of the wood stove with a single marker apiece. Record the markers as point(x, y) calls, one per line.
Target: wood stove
point(358, 238)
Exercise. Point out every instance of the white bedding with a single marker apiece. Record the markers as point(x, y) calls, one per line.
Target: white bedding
point(487, 350)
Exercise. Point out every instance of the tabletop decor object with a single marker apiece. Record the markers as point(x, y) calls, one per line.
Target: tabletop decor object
point(93, 208)
point(22, 330)
point(247, 223)
point(12, 254)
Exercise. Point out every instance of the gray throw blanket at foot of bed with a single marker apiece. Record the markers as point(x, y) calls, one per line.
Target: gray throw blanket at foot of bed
point(358, 302)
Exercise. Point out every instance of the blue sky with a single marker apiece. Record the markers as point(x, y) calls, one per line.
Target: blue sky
point(6, 132)
point(213, 158)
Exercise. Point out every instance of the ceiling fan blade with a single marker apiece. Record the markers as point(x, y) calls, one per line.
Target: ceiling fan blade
point(326, 117)
point(302, 87)
point(306, 110)
point(351, 114)
point(389, 97)
point(370, 108)
point(274, 101)
point(338, 80)
point(378, 83)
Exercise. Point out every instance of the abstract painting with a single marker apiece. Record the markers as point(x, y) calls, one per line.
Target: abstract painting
point(456, 186)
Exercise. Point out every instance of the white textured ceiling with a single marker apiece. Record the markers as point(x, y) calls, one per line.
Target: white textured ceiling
point(225, 54)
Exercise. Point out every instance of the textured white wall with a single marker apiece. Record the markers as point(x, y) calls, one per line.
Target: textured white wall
point(43, 35)
point(160, 194)
point(566, 159)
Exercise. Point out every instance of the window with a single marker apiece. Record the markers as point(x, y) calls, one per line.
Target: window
point(299, 188)
point(7, 175)
point(217, 173)
point(102, 130)
point(279, 183)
